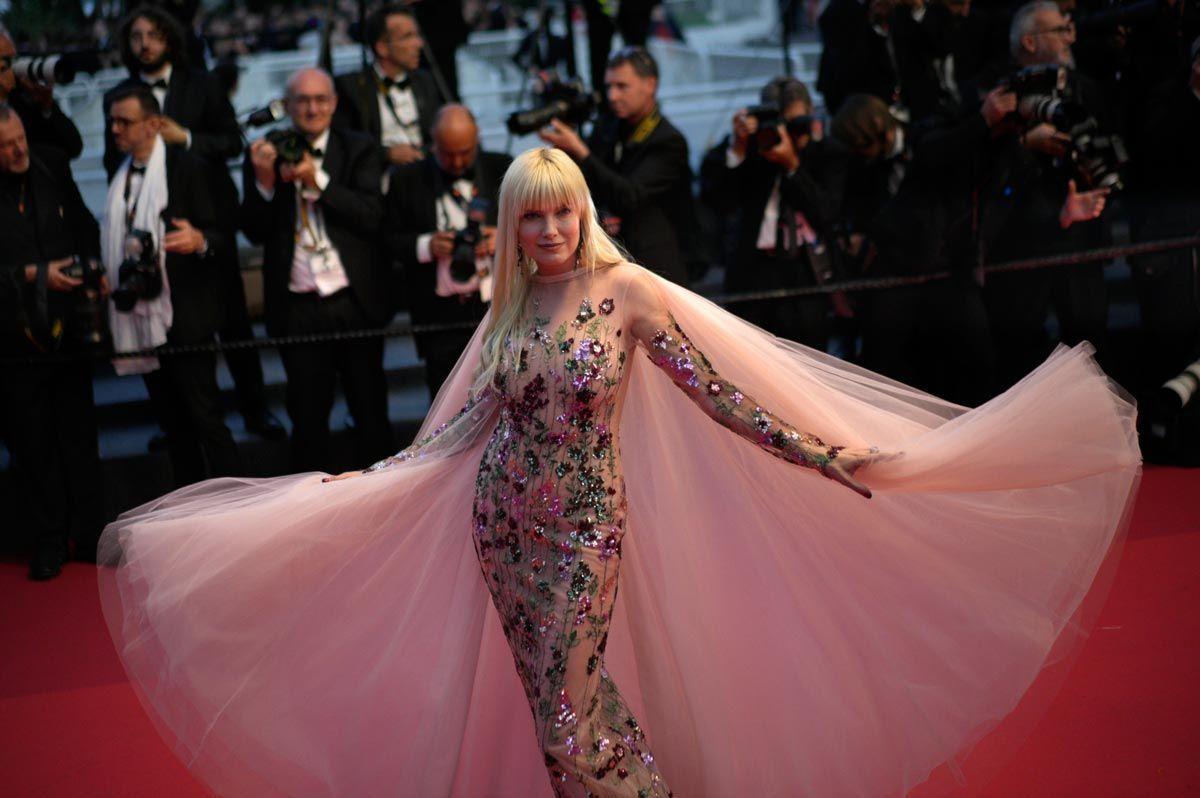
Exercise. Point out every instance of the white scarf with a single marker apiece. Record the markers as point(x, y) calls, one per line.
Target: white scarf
point(147, 325)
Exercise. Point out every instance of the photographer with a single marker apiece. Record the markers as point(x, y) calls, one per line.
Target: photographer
point(1057, 213)
point(311, 198)
point(44, 121)
point(429, 205)
point(787, 184)
point(392, 101)
point(157, 242)
point(47, 406)
point(636, 164)
point(198, 118)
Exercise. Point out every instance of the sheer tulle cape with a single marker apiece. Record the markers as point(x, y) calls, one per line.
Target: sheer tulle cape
point(776, 633)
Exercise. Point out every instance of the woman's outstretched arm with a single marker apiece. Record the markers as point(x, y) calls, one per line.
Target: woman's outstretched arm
point(669, 348)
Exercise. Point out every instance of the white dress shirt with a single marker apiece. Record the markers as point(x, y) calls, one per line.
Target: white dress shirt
point(399, 119)
point(452, 215)
point(316, 264)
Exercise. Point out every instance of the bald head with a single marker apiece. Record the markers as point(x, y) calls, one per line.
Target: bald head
point(311, 101)
point(455, 139)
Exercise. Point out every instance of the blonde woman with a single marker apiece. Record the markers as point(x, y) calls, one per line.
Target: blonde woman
point(776, 634)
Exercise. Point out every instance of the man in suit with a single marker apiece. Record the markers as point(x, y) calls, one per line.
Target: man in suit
point(183, 388)
point(46, 406)
point(788, 196)
point(43, 120)
point(427, 204)
point(318, 221)
point(392, 101)
point(636, 164)
point(198, 118)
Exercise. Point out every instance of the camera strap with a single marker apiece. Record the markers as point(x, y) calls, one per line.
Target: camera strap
point(640, 133)
point(131, 207)
point(308, 224)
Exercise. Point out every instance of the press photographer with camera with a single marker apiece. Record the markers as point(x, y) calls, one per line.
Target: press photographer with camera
point(197, 117)
point(50, 303)
point(393, 100)
point(311, 198)
point(440, 223)
point(636, 164)
point(784, 182)
point(44, 121)
point(158, 238)
point(1067, 176)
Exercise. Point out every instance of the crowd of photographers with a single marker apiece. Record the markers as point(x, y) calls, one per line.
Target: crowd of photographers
point(952, 136)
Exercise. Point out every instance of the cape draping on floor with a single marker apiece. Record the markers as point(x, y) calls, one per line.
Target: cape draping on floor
point(776, 634)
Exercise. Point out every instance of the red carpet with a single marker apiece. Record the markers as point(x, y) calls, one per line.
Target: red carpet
point(1126, 722)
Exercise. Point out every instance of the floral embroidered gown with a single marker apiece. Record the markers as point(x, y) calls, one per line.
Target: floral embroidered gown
point(550, 505)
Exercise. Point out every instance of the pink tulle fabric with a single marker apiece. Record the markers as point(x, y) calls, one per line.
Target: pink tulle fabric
point(775, 633)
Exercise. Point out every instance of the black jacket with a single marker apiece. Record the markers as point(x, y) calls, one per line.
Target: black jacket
point(352, 210)
point(196, 101)
point(358, 103)
point(411, 212)
point(815, 190)
point(195, 297)
point(58, 226)
point(854, 57)
point(54, 129)
point(649, 188)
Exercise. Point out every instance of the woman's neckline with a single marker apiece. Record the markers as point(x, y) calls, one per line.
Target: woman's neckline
point(563, 277)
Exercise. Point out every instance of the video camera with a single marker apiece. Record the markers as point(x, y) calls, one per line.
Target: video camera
point(139, 276)
point(1044, 95)
point(462, 259)
point(55, 68)
point(770, 117)
point(564, 100)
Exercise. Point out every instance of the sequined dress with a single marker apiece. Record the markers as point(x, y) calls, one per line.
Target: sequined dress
point(550, 506)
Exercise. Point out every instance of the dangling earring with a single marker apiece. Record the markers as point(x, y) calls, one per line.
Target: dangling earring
point(526, 264)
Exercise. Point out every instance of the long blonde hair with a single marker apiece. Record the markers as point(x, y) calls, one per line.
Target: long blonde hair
point(538, 178)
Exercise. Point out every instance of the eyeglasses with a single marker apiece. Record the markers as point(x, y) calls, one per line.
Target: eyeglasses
point(1060, 30)
point(319, 100)
point(124, 122)
point(137, 37)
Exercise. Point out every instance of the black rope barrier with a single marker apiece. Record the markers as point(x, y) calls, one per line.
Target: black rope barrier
point(844, 286)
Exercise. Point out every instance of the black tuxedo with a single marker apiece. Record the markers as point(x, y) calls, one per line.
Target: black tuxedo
point(351, 209)
point(358, 103)
point(649, 187)
point(814, 190)
point(411, 211)
point(49, 418)
point(854, 58)
point(183, 390)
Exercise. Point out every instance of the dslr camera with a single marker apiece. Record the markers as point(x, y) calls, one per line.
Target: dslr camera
point(462, 259)
point(1044, 95)
point(56, 68)
point(290, 145)
point(87, 323)
point(139, 276)
point(770, 117)
point(558, 99)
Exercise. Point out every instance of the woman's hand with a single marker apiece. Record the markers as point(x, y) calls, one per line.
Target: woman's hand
point(343, 475)
point(848, 461)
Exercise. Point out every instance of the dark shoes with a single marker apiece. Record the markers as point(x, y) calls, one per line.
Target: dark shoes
point(266, 426)
point(47, 563)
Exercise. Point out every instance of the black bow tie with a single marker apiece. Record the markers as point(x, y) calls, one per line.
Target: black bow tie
point(402, 84)
point(159, 84)
point(317, 153)
point(137, 170)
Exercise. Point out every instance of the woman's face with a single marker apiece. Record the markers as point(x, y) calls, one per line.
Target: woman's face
point(550, 235)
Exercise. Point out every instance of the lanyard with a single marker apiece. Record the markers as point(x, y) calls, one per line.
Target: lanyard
point(407, 127)
point(307, 225)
